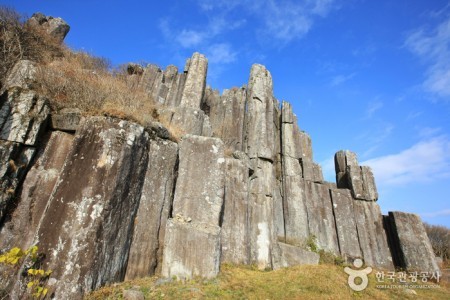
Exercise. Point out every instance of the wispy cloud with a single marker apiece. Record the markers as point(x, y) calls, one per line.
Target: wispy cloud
point(440, 213)
point(373, 107)
point(428, 160)
point(221, 53)
point(433, 47)
point(190, 38)
point(340, 79)
point(427, 132)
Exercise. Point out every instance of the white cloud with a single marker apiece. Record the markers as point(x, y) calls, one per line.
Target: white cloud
point(221, 53)
point(373, 107)
point(427, 132)
point(190, 38)
point(441, 213)
point(433, 47)
point(427, 160)
point(340, 79)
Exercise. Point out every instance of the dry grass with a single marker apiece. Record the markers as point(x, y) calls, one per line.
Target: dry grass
point(18, 41)
point(241, 282)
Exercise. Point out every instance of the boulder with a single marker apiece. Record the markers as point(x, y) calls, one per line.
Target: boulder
point(294, 256)
point(185, 120)
point(87, 225)
point(191, 249)
point(154, 209)
point(56, 27)
point(67, 119)
point(411, 243)
point(23, 116)
point(22, 75)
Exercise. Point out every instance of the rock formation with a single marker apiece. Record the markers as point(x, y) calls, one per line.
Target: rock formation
point(108, 199)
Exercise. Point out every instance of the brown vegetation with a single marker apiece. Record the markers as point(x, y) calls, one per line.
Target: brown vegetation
point(440, 240)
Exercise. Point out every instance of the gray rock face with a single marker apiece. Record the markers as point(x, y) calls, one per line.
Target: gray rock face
point(294, 256)
point(191, 249)
point(411, 243)
point(201, 158)
point(36, 190)
point(345, 224)
point(226, 114)
point(87, 223)
point(185, 120)
point(320, 216)
point(23, 116)
point(371, 234)
point(22, 75)
point(358, 179)
point(194, 88)
point(154, 208)
point(259, 141)
point(56, 27)
point(14, 161)
point(234, 233)
point(66, 120)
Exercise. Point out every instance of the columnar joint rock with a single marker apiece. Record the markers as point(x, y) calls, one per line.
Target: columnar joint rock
point(359, 180)
point(192, 237)
point(194, 88)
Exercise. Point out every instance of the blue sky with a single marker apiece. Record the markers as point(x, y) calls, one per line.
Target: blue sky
point(369, 76)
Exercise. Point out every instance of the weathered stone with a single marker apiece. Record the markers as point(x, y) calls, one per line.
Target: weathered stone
point(191, 249)
point(66, 120)
point(23, 116)
point(36, 190)
point(317, 173)
point(355, 180)
point(234, 233)
point(345, 224)
point(226, 114)
point(56, 27)
point(307, 169)
point(294, 256)
point(411, 243)
point(259, 141)
point(295, 210)
point(135, 69)
point(133, 295)
point(87, 226)
point(261, 211)
point(185, 120)
point(343, 160)
point(371, 235)
point(14, 161)
point(22, 75)
point(194, 87)
point(370, 189)
point(154, 208)
point(320, 216)
point(305, 145)
point(156, 129)
point(201, 179)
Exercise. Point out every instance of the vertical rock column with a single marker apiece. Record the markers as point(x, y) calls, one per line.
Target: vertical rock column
point(192, 239)
point(36, 191)
point(154, 208)
point(259, 146)
point(23, 118)
point(87, 225)
point(410, 243)
point(294, 201)
point(194, 88)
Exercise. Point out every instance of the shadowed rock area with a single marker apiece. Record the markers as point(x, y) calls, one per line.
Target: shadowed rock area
point(108, 199)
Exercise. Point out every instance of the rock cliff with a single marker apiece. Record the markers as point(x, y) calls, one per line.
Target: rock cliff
point(108, 199)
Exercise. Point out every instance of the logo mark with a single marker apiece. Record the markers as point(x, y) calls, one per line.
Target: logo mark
point(362, 274)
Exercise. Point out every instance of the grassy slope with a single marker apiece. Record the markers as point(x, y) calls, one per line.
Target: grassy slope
point(302, 282)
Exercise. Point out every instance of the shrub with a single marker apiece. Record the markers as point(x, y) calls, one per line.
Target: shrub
point(19, 40)
point(440, 240)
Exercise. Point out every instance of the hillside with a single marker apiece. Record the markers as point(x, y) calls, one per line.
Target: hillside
point(111, 175)
point(301, 282)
